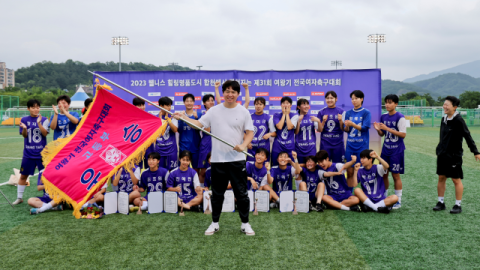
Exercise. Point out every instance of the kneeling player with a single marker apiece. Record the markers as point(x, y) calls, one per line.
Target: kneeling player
point(282, 176)
point(44, 203)
point(153, 179)
point(184, 180)
point(372, 193)
point(312, 182)
point(339, 189)
point(124, 182)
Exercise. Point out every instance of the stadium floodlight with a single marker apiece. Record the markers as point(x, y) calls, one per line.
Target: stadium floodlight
point(336, 63)
point(199, 67)
point(376, 38)
point(119, 41)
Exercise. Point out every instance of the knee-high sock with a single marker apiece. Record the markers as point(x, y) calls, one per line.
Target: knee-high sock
point(370, 204)
point(45, 207)
point(20, 190)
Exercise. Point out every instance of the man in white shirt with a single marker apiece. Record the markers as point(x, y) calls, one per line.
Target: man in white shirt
point(229, 121)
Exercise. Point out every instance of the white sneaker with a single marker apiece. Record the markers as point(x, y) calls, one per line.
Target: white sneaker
point(18, 201)
point(247, 229)
point(213, 228)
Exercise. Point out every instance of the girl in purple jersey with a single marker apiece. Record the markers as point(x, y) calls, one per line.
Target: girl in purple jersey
point(305, 138)
point(166, 144)
point(44, 203)
point(313, 183)
point(184, 181)
point(126, 181)
point(330, 125)
point(283, 124)
point(205, 142)
point(261, 134)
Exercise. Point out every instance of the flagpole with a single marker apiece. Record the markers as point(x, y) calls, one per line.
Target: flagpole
point(167, 111)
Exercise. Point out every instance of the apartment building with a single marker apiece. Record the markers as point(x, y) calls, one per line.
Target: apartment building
point(7, 76)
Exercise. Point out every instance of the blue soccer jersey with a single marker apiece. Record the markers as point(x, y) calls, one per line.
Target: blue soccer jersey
point(372, 182)
point(186, 180)
point(259, 175)
point(305, 140)
point(332, 135)
point(189, 137)
point(337, 186)
point(358, 140)
point(35, 141)
point(260, 128)
point(64, 127)
point(312, 178)
point(125, 183)
point(153, 181)
point(393, 145)
point(282, 179)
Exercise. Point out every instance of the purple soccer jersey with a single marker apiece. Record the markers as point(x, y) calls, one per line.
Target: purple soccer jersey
point(260, 128)
point(186, 180)
point(45, 196)
point(205, 148)
point(282, 179)
point(305, 140)
point(337, 186)
point(125, 183)
point(285, 139)
point(167, 143)
point(35, 141)
point(312, 179)
point(372, 182)
point(259, 175)
point(153, 181)
point(208, 177)
point(393, 145)
point(332, 135)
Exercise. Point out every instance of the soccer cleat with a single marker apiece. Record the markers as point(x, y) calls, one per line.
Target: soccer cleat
point(247, 229)
point(440, 206)
point(397, 205)
point(385, 210)
point(365, 208)
point(34, 211)
point(274, 205)
point(213, 228)
point(58, 208)
point(356, 208)
point(319, 207)
point(134, 208)
point(457, 209)
point(311, 207)
point(17, 201)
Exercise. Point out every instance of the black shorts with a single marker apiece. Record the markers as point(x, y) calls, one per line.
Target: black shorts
point(449, 166)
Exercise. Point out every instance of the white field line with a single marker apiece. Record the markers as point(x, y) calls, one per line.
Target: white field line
point(9, 158)
point(11, 138)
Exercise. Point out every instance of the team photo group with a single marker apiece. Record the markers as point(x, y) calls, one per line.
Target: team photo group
point(340, 172)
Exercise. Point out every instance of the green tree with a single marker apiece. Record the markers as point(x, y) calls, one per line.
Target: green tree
point(470, 99)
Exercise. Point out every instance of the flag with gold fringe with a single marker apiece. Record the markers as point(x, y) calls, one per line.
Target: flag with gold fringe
point(112, 134)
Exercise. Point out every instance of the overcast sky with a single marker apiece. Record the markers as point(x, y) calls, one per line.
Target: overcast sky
point(422, 36)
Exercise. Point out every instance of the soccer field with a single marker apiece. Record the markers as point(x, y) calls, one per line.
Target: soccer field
point(412, 237)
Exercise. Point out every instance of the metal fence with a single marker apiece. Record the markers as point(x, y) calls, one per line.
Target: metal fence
point(416, 103)
point(11, 117)
point(7, 102)
point(432, 116)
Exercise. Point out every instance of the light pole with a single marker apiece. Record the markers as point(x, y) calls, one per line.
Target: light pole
point(376, 38)
point(173, 64)
point(199, 67)
point(119, 41)
point(336, 63)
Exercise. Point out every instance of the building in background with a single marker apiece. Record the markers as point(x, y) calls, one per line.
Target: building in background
point(87, 88)
point(7, 76)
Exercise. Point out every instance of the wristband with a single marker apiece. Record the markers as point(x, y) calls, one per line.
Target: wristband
point(296, 160)
point(268, 172)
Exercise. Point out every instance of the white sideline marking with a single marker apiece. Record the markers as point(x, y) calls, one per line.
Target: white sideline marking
point(11, 138)
point(10, 158)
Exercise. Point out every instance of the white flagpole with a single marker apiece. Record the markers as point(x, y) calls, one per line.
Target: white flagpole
point(167, 111)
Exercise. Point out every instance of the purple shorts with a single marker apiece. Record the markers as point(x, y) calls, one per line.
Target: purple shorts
point(45, 199)
point(202, 160)
point(396, 162)
point(335, 154)
point(169, 162)
point(29, 165)
point(340, 197)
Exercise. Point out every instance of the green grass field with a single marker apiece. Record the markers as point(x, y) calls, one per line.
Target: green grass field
point(411, 237)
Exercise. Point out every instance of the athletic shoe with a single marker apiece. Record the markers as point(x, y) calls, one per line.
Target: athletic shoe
point(196, 208)
point(17, 201)
point(385, 210)
point(397, 205)
point(247, 229)
point(34, 211)
point(213, 228)
point(319, 207)
point(58, 208)
point(365, 208)
point(457, 209)
point(134, 208)
point(274, 204)
point(356, 208)
point(440, 206)
point(311, 207)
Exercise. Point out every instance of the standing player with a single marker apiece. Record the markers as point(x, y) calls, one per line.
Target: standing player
point(261, 134)
point(370, 176)
point(189, 136)
point(449, 153)
point(281, 176)
point(166, 144)
point(283, 124)
point(44, 203)
point(313, 183)
point(153, 179)
point(339, 190)
point(34, 128)
point(357, 125)
point(64, 123)
point(140, 103)
point(305, 138)
point(206, 141)
point(184, 180)
point(331, 128)
point(393, 126)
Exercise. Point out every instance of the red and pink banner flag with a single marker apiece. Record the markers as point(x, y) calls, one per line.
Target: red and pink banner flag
point(112, 134)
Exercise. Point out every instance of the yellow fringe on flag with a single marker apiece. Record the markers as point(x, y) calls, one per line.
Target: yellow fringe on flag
point(54, 147)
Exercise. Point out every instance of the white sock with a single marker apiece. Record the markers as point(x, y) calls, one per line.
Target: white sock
point(458, 202)
point(370, 204)
point(345, 208)
point(85, 205)
point(440, 199)
point(144, 206)
point(20, 190)
point(45, 207)
point(386, 193)
point(297, 184)
point(244, 224)
point(380, 203)
point(399, 195)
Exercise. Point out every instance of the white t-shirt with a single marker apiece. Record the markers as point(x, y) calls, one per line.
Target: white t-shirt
point(228, 124)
